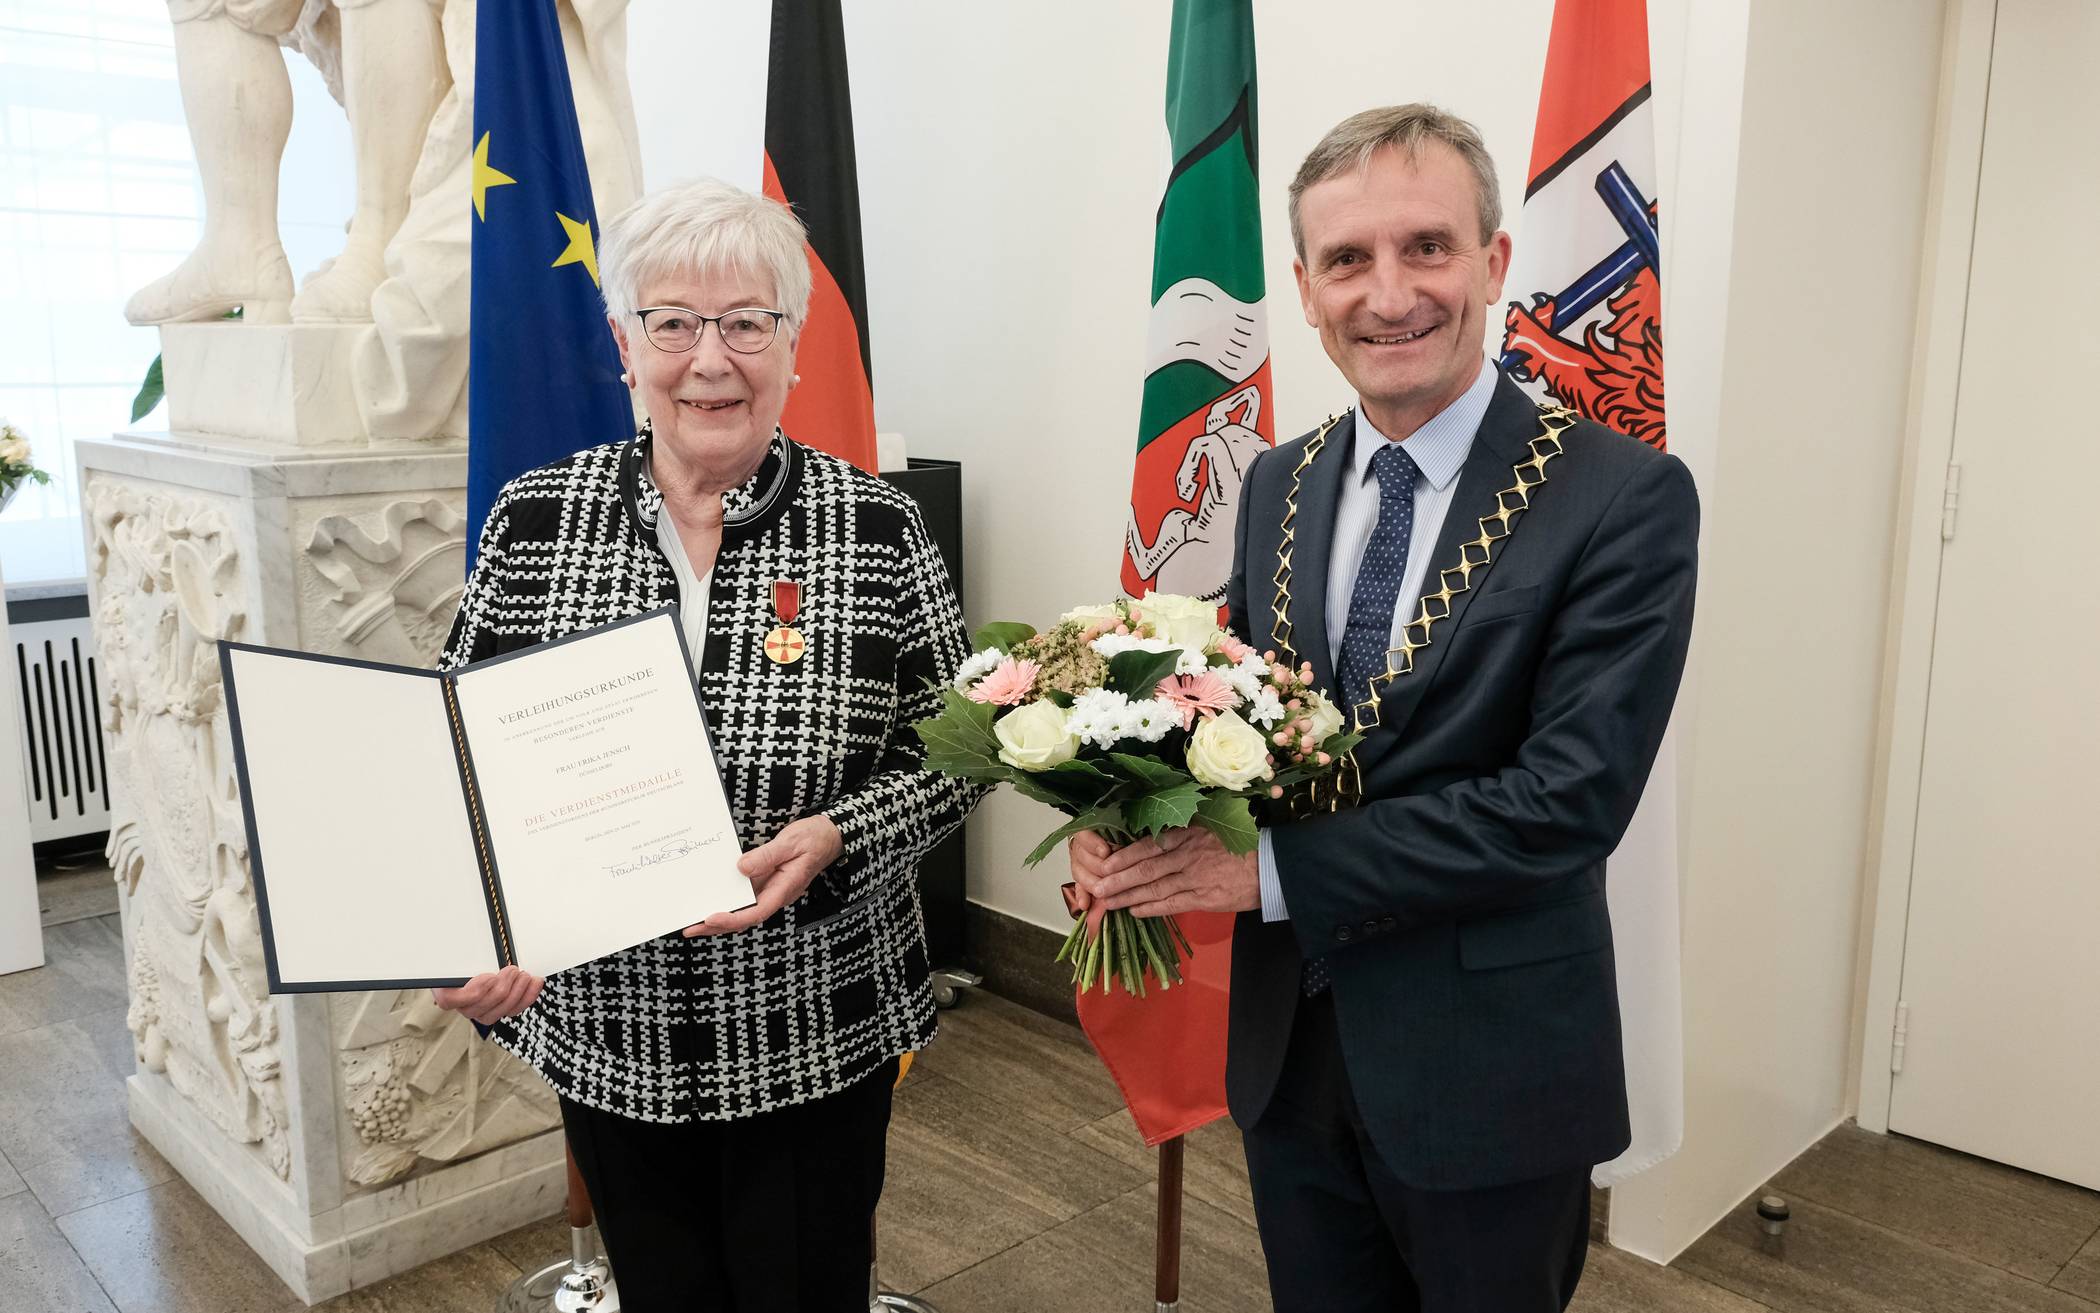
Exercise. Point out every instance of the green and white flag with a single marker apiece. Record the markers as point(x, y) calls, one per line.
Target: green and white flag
point(1207, 410)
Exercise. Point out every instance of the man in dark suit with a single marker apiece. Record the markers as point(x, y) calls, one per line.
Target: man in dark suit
point(1424, 1050)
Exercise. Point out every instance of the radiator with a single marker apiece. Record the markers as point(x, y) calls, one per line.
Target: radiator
point(59, 696)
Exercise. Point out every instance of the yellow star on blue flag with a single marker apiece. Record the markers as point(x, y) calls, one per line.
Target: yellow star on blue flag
point(543, 376)
point(580, 249)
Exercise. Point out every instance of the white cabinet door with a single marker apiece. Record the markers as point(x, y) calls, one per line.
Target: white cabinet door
point(2001, 970)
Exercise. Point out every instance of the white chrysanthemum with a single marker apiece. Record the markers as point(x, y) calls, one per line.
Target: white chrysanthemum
point(1264, 708)
point(1149, 720)
point(1237, 679)
point(977, 667)
point(1110, 646)
point(1253, 665)
point(1097, 716)
point(1191, 662)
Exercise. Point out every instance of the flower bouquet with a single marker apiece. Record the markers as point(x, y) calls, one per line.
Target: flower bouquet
point(1135, 718)
point(15, 469)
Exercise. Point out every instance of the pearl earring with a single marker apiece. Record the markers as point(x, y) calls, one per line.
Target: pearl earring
point(793, 379)
point(627, 378)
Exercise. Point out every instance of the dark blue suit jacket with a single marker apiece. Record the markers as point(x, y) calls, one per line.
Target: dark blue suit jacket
point(1460, 905)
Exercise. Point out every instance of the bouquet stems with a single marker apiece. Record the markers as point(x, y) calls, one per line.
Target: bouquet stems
point(1127, 950)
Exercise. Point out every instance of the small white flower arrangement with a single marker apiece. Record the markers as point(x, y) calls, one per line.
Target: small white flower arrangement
point(16, 468)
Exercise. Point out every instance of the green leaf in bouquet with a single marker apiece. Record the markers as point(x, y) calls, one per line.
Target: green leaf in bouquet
point(1098, 818)
point(959, 741)
point(1227, 816)
point(1072, 786)
point(1024, 783)
point(1002, 634)
point(1166, 809)
point(1153, 775)
point(1082, 781)
point(1138, 673)
point(1341, 745)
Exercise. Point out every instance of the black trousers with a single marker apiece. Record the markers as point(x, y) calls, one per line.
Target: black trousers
point(1341, 1233)
point(765, 1214)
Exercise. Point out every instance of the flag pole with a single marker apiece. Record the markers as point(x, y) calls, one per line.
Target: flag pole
point(580, 1283)
point(1166, 1261)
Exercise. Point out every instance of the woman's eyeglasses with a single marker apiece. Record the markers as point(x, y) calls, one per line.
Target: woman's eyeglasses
point(674, 328)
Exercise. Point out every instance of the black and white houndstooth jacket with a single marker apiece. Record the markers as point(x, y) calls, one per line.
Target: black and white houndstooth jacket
point(732, 1025)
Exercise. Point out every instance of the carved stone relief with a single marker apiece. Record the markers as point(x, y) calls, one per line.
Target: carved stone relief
point(168, 583)
point(416, 1084)
point(383, 585)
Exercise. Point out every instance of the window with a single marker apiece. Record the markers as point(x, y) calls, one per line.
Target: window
point(98, 197)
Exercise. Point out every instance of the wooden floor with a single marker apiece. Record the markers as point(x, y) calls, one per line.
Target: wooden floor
point(1016, 1182)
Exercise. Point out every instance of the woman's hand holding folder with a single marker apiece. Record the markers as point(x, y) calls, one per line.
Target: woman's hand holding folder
point(492, 995)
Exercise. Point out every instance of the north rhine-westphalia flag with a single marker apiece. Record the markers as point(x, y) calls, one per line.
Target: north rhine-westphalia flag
point(1587, 333)
point(1206, 414)
point(809, 164)
point(1207, 410)
point(543, 375)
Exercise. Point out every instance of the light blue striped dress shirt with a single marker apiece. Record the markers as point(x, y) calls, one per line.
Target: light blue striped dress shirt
point(1439, 449)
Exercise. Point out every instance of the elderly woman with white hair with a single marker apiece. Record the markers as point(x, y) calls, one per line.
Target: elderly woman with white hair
point(726, 1092)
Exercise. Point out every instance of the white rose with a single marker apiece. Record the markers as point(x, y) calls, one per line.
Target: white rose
point(14, 451)
point(1187, 622)
point(1324, 717)
point(1108, 614)
point(1227, 752)
point(1035, 737)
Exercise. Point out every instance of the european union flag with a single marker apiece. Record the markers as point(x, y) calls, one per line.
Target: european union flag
point(543, 375)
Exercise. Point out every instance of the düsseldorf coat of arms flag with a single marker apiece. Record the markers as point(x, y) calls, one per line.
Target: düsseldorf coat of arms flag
point(1587, 333)
point(1206, 415)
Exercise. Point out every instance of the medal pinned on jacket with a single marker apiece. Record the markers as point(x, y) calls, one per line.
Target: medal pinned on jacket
point(785, 644)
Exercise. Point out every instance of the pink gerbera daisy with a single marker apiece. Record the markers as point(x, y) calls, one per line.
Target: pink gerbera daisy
point(1190, 695)
point(1009, 683)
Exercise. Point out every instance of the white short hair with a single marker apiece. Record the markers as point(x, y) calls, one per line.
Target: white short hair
point(704, 226)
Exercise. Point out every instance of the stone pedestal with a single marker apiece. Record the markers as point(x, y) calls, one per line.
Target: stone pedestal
point(346, 1137)
point(263, 383)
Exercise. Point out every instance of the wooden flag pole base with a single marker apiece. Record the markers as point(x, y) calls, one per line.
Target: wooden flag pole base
point(582, 1282)
point(1166, 1260)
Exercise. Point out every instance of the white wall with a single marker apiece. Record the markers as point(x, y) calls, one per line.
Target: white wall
point(1836, 135)
point(1011, 159)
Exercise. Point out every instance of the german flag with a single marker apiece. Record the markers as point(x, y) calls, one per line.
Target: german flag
point(809, 165)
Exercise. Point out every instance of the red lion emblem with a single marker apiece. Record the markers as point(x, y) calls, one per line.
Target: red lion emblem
point(1612, 376)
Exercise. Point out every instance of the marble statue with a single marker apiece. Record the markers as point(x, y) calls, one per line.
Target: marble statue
point(404, 72)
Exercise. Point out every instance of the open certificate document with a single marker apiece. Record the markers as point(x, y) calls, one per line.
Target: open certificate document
point(542, 808)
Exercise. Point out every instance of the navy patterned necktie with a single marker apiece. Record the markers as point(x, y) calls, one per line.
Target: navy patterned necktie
point(1369, 630)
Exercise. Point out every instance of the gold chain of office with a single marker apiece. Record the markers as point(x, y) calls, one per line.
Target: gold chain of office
point(1475, 554)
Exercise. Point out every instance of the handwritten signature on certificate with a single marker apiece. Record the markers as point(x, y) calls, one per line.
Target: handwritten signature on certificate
point(670, 852)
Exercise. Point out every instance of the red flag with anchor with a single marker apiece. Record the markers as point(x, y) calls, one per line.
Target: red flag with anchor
point(1586, 331)
point(809, 164)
